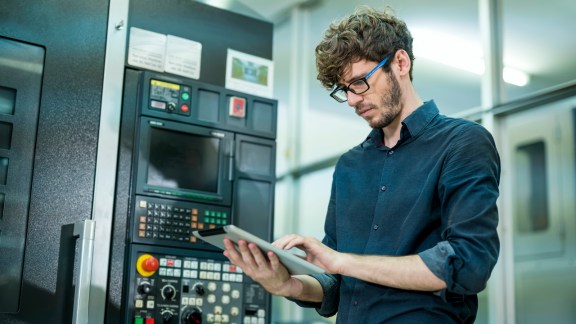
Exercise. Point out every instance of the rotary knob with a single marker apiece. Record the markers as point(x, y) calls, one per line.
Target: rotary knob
point(167, 316)
point(192, 315)
point(171, 107)
point(168, 292)
point(199, 289)
point(144, 288)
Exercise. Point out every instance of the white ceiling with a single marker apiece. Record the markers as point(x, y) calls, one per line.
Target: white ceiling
point(270, 9)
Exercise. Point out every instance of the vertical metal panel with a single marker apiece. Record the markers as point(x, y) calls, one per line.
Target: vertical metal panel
point(106, 162)
point(73, 34)
point(122, 199)
point(21, 67)
point(85, 232)
point(491, 29)
point(501, 301)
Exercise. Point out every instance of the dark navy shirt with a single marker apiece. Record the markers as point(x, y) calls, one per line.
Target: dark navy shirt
point(433, 194)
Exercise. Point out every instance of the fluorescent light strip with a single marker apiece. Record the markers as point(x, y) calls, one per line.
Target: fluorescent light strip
point(515, 77)
point(460, 54)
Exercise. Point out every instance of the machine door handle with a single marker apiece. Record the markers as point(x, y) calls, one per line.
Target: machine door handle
point(84, 230)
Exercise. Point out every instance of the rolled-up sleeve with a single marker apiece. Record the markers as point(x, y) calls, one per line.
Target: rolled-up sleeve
point(468, 191)
point(330, 285)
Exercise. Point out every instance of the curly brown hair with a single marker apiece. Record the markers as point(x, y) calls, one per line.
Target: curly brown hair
point(365, 34)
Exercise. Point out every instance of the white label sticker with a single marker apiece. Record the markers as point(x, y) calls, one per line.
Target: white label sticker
point(147, 49)
point(183, 57)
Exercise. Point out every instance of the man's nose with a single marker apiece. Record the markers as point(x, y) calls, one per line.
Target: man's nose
point(353, 99)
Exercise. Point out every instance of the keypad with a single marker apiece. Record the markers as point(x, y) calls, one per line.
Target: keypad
point(175, 221)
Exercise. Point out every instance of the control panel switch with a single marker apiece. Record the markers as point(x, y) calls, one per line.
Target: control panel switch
point(199, 289)
point(144, 288)
point(167, 316)
point(168, 292)
point(146, 265)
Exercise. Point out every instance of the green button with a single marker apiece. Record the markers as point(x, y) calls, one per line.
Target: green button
point(185, 96)
point(138, 320)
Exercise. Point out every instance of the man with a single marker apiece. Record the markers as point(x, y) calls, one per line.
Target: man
point(410, 232)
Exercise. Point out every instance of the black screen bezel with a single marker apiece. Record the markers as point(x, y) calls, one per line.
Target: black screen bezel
point(222, 196)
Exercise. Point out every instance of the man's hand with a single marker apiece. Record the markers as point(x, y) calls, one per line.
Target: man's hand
point(316, 252)
point(264, 269)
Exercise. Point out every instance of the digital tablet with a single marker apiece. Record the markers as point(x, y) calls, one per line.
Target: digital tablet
point(294, 264)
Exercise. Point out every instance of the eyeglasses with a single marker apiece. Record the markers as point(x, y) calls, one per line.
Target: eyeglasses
point(358, 86)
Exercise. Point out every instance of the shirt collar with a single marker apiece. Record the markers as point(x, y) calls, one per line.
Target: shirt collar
point(412, 125)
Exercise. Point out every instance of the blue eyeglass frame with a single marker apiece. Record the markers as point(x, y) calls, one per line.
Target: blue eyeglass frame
point(364, 78)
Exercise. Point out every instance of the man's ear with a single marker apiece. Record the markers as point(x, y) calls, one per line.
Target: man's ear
point(403, 63)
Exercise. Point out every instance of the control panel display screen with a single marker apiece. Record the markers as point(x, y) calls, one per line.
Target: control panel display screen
point(183, 160)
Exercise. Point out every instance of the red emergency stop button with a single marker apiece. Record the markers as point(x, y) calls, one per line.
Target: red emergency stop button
point(150, 264)
point(146, 265)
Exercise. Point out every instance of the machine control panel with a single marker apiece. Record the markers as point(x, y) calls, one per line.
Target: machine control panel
point(171, 288)
point(171, 223)
point(170, 97)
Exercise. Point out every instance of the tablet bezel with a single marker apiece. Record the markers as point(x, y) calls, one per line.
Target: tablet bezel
point(294, 264)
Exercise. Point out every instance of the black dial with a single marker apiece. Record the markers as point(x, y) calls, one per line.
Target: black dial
point(192, 315)
point(167, 316)
point(171, 106)
point(144, 288)
point(168, 292)
point(199, 289)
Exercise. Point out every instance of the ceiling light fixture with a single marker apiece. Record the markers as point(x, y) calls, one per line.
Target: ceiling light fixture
point(460, 54)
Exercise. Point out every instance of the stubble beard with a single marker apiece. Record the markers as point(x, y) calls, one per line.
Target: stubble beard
point(390, 105)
